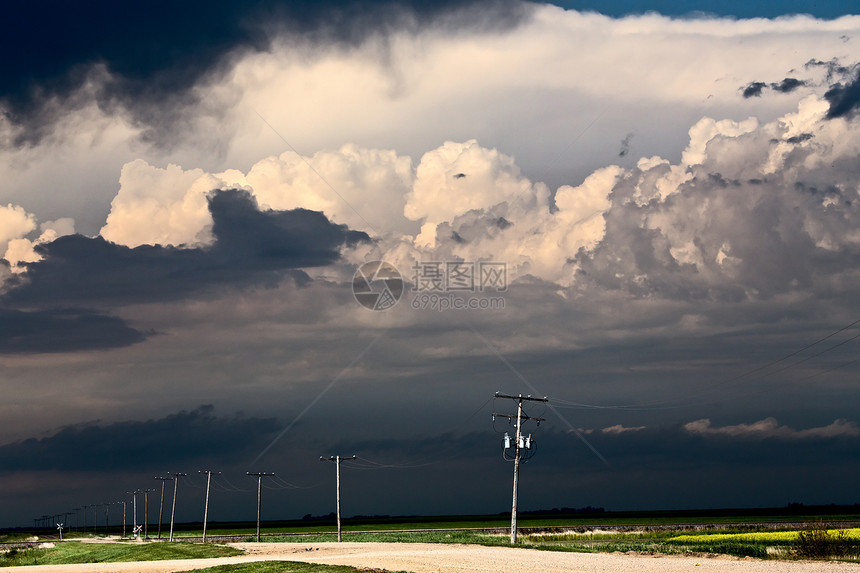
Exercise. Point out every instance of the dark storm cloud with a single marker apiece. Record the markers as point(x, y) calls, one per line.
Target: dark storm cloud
point(833, 67)
point(146, 58)
point(787, 85)
point(251, 247)
point(177, 438)
point(753, 89)
point(844, 98)
point(711, 8)
point(62, 330)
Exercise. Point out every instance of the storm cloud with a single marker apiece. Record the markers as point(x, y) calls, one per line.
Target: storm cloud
point(136, 61)
point(844, 98)
point(251, 247)
point(50, 307)
point(184, 437)
point(63, 330)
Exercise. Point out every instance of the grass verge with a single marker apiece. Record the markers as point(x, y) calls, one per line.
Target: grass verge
point(76, 552)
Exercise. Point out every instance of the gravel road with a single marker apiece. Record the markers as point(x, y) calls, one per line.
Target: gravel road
point(434, 558)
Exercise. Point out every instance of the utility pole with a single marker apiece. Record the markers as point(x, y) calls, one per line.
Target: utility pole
point(206, 506)
point(76, 510)
point(336, 460)
point(161, 504)
point(146, 512)
point(107, 517)
point(67, 520)
point(519, 444)
point(176, 476)
point(134, 511)
point(123, 517)
point(260, 476)
point(95, 507)
point(84, 508)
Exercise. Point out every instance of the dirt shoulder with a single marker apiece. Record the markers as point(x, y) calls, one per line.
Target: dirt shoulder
point(433, 558)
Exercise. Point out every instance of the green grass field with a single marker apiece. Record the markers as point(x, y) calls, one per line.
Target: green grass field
point(759, 533)
point(76, 552)
point(552, 519)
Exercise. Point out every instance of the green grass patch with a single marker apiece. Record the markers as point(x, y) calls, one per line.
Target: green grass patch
point(395, 537)
point(76, 552)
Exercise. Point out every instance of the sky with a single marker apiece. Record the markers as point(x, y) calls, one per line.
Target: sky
point(648, 212)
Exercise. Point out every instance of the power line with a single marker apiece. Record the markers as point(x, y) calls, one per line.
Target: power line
point(531, 386)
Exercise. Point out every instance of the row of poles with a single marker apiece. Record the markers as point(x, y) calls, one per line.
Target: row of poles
point(519, 444)
point(44, 521)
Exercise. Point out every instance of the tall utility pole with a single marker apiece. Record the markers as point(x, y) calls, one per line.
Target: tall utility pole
point(161, 505)
point(336, 460)
point(107, 517)
point(67, 519)
point(84, 508)
point(146, 512)
point(176, 476)
point(134, 510)
point(123, 516)
point(260, 476)
point(206, 507)
point(519, 444)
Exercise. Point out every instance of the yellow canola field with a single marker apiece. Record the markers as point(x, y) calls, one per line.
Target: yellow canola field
point(757, 536)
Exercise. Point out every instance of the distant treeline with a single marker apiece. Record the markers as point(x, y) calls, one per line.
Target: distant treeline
point(793, 508)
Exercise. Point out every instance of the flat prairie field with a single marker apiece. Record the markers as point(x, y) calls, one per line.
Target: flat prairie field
point(439, 557)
